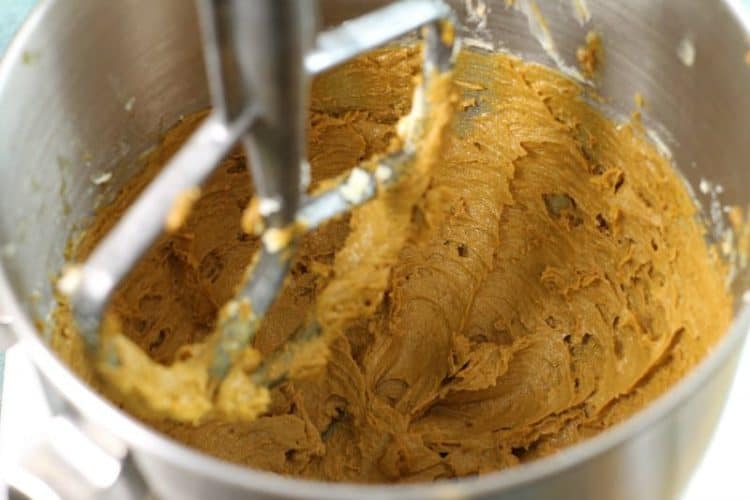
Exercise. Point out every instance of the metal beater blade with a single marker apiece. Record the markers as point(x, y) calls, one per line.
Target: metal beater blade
point(260, 56)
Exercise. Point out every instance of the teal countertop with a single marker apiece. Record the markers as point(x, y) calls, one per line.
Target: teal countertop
point(12, 13)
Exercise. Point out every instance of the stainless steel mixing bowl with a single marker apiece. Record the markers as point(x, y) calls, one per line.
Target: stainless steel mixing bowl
point(88, 85)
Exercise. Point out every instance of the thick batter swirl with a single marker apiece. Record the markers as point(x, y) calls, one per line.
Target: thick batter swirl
point(554, 280)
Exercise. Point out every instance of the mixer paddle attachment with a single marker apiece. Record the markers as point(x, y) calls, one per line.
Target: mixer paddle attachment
point(260, 57)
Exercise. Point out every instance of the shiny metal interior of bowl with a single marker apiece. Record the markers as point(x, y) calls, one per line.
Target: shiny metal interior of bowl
point(98, 82)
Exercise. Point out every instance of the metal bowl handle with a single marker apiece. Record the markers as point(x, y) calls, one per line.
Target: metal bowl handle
point(66, 457)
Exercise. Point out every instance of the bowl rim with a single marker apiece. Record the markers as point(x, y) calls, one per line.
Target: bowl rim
point(141, 438)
